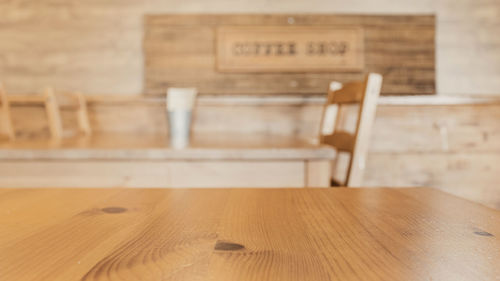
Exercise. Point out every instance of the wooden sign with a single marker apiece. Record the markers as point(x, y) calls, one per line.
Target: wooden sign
point(183, 50)
point(289, 48)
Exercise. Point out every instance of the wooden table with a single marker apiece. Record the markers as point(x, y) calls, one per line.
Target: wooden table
point(127, 160)
point(245, 234)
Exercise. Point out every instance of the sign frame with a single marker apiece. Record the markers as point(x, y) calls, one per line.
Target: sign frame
point(266, 49)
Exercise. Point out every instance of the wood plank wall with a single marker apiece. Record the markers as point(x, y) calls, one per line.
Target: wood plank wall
point(455, 148)
point(179, 51)
point(96, 46)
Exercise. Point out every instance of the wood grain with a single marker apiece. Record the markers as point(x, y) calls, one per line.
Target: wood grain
point(6, 118)
point(106, 54)
point(418, 143)
point(318, 173)
point(160, 174)
point(213, 147)
point(285, 49)
point(245, 234)
point(53, 114)
point(474, 176)
point(179, 50)
point(142, 161)
point(354, 143)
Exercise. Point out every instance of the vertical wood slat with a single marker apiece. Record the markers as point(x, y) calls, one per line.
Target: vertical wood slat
point(82, 115)
point(6, 115)
point(364, 127)
point(317, 173)
point(53, 114)
point(366, 93)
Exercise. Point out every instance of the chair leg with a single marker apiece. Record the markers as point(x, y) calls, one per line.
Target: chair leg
point(6, 115)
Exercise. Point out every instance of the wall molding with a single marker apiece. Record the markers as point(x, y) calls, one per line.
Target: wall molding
point(213, 100)
point(291, 100)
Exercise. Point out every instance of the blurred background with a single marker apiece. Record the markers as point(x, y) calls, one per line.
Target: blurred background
point(437, 122)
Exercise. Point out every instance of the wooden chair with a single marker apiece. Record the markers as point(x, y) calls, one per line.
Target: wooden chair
point(82, 114)
point(364, 94)
point(52, 108)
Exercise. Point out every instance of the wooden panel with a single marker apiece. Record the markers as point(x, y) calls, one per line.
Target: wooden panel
point(352, 92)
point(151, 119)
point(106, 54)
point(424, 134)
point(53, 114)
point(5, 115)
point(397, 128)
point(342, 141)
point(250, 234)
point(429, 129)
point(365, 122)
point(152, 174)
point(263, 49)
point(474, 176)
point(179, 50)
point(318, 173)
point(82, 115)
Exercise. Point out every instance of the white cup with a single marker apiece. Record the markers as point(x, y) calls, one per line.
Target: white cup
point(180, 104)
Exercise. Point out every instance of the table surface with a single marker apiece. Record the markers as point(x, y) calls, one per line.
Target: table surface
point(155, 147)
point(246, 234)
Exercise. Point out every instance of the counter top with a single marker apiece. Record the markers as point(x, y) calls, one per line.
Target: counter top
point(246, 234)
point(156, 147)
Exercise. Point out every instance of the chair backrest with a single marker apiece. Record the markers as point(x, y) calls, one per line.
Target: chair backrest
point(47, 98)
point(52, 108)
point(364, 94)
